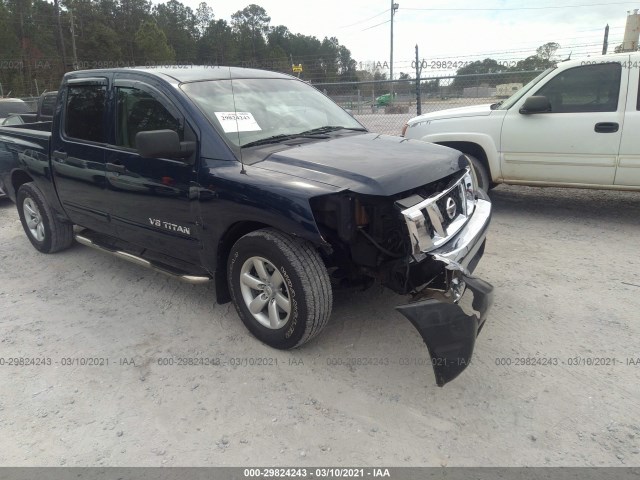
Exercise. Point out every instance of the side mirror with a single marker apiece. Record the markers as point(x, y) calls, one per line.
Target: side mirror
point(536, 104)
point(163, 144)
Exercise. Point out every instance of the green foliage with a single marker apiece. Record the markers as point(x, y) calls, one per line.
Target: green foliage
point(36, 38)
point(151, 43)
point(179, 25)
point(492, 72)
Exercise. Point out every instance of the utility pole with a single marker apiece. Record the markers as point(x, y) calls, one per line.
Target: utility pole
point(394, 7)
point(418, 72)
point(73, 42)
point(56, 5)
point(605, 44)
point(631, 32)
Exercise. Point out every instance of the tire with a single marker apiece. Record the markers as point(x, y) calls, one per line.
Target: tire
point(291, 273)
point(46, 232)
point(482, 174)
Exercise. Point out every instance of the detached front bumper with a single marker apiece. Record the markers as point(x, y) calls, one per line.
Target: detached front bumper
point(449, 320)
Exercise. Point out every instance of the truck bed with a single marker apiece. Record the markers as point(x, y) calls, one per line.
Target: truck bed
point(26, 147)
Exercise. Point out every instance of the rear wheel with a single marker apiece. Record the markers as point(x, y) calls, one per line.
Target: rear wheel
point(46, 232)
point(280, 288)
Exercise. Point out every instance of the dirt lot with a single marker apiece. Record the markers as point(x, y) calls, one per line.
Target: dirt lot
point(566, 269)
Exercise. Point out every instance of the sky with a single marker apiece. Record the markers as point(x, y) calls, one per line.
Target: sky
point(451, 31)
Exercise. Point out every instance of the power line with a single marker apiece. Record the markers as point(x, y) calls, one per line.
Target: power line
point(517, 8)
point(374, 26)
point(365, 20)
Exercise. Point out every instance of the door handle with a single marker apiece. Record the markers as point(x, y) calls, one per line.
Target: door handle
point(116, 167)
point(607, 127)
point(59, 155)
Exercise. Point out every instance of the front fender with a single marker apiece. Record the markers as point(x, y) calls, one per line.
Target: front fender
point(484, 141)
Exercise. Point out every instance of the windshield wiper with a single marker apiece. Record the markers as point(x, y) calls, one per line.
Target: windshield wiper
point(272, 139)
point(330, 128)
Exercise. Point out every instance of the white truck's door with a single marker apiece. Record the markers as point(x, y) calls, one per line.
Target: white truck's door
point(579, 140)
point(628, 172)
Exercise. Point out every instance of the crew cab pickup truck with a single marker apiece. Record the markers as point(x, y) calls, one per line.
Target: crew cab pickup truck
point(575, 125)
point(259, 182)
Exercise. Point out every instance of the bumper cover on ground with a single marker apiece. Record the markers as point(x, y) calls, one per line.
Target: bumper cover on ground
point(450, 333)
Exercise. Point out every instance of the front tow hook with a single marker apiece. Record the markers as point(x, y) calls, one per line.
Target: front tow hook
point(449, 333)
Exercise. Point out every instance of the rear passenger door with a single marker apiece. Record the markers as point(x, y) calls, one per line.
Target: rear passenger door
point(628, 172)
point(152, 204)
point(77, 153)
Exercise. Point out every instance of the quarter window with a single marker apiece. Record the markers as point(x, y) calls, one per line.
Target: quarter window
point(84, 114)
point(591, 88)
point(139, 112)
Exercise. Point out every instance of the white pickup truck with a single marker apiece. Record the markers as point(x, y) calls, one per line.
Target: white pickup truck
point(575, 125)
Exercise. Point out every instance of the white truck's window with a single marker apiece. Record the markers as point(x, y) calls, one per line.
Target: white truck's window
point(84, 113)
point(590, 88)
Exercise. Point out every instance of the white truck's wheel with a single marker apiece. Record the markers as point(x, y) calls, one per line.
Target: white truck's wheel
point(484, 179)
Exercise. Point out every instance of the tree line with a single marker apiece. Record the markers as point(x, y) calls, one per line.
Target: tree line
point(40, 41)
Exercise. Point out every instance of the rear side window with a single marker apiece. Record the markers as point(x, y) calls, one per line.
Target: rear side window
point(84, 112)
point(591, 88)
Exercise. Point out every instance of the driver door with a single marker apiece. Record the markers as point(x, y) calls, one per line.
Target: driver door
point(577, 142)
point(152, 203)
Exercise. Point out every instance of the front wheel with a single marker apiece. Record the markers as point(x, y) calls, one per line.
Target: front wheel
point(482, 174)
point(280, 288)
point(47, 233)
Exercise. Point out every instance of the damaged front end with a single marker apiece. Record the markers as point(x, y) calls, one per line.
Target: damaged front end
point(450, 316)
point(425, 243)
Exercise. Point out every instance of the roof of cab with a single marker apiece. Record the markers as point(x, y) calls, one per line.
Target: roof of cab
point(187, 73)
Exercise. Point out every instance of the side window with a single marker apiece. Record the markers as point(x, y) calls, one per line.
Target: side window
point(138, 111)
point(591, 88)
point(84, 114)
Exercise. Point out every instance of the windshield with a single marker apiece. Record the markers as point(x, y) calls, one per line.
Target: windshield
point(507, 104)
point(255, 109)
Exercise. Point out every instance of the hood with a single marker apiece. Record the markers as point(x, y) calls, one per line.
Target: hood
point(472, 111)
point(369, 163)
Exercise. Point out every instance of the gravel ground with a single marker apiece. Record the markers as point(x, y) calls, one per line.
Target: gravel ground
point(566, 269)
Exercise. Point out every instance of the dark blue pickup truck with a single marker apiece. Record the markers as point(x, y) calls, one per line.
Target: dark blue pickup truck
point(259, 182)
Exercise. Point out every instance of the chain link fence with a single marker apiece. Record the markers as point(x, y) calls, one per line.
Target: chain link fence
point(385, 106)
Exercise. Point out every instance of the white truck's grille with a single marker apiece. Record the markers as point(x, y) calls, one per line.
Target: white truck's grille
point(433, 221)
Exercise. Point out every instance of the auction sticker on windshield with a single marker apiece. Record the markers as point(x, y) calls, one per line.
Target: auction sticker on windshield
point(237, 122)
